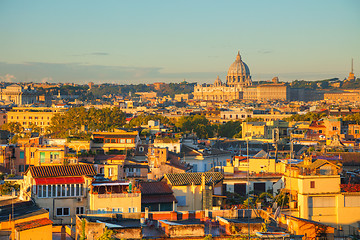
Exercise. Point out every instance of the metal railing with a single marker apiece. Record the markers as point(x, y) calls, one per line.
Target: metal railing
point(118, 195)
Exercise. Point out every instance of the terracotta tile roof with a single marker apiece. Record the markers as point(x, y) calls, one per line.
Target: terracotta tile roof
point(154, 188)
point(61, 170)
point(181, 179)
point(169, 198)
point(320, 162)
point(33, 224)
point(109, 157)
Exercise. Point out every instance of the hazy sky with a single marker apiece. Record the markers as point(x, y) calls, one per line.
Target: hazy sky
point(169, 41)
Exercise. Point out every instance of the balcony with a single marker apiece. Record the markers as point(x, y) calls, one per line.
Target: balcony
point(118, 195)
point(133, 174)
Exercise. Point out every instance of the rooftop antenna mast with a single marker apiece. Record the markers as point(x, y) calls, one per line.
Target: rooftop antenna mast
point(352, 65)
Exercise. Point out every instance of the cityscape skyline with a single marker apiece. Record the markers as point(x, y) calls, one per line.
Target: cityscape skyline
point(121, 42)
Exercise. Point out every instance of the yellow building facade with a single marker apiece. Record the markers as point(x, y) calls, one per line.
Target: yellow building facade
point(317, 195)
point(33, 116)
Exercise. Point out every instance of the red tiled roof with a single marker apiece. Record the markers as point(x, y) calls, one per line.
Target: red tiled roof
point(33, 224)
point(154, 188)
point(61, 170)
point(169, 198)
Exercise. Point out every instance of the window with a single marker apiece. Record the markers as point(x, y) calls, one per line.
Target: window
point(334, 128)
point(107, 140)
point(122, 140)
point(77, 192)
point(40, 193)
point(62, 211)
point(110, 172)
point(128, 140)
point(101, 210)
point(181, 200)
point(63, 190)
point(68, 190)
point(49, 190)
point(132, 210)
point(356, 131)
point(113, 140)
point(54, 156)
point(58, 190)
point(79, 210)
point(54, 190)
point(312, 184)
point(32, 154)
point(72, 190)
point(22, 155)
point(117, 210)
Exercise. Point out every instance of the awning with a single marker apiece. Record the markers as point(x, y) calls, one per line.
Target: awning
point(59, 180)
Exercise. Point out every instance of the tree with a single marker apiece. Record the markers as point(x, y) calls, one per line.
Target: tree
point(8, 187)
point(230, 129)
point(197, 124)
point(353, 117)
point(13, 127)
point(70, 122)
point(107, 235)
point(143, 120)
point(310, 116)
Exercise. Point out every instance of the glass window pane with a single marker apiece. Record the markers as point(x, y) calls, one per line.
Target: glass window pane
point(40, 191)
point(77, 190)
point(58, 190)
point(72, 190)
point(59, 211)
point(44, 190)
point(63, 190)
point(68, 190)
point(49, 190)
point(66, 211)
point(54, 190)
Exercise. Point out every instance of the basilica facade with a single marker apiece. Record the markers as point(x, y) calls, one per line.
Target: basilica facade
point(239, 86)
point(237, 79)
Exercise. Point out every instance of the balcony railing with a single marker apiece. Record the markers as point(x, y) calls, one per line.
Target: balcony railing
point(118, 195)
point(133, 174)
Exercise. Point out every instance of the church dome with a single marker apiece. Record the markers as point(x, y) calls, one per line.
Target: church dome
point(218, 82)
point(239, 73)
point(238, 67)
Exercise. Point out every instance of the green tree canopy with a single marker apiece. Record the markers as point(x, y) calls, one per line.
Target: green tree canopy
point(143, 120)
point(197, 124)
point(310, 116)
point(13, 127)
point(230, 129)
point(353, 117)
point(70, 122)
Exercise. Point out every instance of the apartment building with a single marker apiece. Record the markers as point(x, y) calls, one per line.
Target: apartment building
point(33, 116)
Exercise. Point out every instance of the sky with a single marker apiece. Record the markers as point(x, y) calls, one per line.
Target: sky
point(131, 42)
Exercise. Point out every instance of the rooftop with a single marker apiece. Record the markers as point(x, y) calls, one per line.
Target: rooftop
point(181, 179)
point(33, 224)
point(61, 170)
